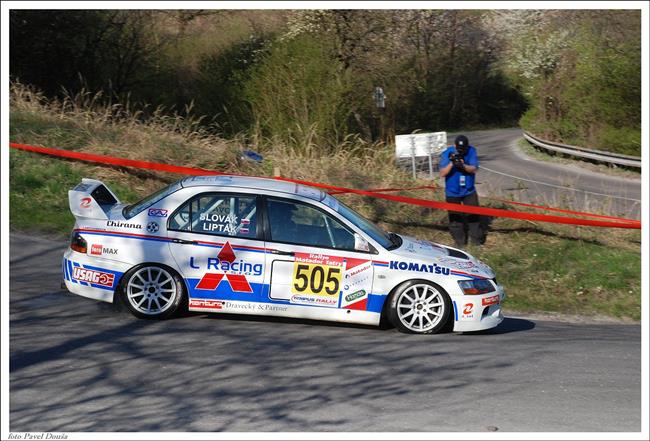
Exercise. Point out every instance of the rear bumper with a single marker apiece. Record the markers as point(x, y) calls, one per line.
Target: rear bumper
point(478, 313)
point(91, 277)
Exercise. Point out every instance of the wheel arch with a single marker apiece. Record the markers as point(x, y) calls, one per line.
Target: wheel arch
point(117, 294)
point(384, 320)
point(384, 308)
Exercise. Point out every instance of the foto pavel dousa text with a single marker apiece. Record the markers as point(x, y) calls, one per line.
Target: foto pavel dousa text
point(37, 435)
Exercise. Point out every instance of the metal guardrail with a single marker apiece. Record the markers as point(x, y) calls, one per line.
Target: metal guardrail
point(581, 152)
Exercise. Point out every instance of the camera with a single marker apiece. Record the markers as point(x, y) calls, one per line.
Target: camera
point(457, 160)
point(455, 157)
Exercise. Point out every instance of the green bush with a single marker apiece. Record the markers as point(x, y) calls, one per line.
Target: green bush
point(624, 140)
point(297, 94)
point(592, 97)
point(219, 87)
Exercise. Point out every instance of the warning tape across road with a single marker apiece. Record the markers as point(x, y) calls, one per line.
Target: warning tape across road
point(494, 212)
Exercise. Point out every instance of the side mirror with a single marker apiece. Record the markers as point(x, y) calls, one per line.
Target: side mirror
point(360, 244)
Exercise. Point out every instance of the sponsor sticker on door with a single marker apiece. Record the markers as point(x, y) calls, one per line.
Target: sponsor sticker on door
point(316, 279)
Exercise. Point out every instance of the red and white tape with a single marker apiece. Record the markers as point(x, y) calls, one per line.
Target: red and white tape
point(505, 201)
point(611, 222)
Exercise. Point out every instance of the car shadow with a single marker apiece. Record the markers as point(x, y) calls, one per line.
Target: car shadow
point(273, 319)
point(507, 326)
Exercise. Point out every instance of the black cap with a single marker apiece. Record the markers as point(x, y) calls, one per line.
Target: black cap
point(461, 141)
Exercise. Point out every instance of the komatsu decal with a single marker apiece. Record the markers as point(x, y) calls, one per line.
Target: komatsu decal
point(419, 267)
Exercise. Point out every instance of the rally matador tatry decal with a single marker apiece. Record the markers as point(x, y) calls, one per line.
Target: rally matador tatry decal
point(331, 281)
point(316, 280)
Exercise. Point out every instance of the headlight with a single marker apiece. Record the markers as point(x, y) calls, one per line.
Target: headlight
point(476, 286)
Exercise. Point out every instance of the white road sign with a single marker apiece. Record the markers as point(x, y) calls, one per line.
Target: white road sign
point(420, 144)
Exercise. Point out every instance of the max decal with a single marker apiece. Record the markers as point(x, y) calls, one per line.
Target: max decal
point(98, 250)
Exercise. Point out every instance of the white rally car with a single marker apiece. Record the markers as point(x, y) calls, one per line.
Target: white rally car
point(266, 247)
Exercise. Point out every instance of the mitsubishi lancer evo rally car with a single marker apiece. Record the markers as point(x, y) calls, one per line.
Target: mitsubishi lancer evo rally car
point(265, 247)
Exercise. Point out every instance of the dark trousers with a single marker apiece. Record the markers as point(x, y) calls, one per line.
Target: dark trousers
point(460, 224)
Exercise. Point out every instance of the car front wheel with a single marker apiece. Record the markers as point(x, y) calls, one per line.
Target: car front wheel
point(419, 307)
point(152, 291)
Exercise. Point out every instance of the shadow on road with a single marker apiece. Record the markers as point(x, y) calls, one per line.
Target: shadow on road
point(507, 326)
point(81, 366)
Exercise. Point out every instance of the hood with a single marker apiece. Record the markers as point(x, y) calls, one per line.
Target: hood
point(413, 248)
point(458, 262)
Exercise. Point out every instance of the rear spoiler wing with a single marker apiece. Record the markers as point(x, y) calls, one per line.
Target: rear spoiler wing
point(91, 199)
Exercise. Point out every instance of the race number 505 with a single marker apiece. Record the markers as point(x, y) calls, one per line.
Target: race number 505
point(317, 280)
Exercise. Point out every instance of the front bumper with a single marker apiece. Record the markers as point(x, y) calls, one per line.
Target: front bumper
point(480, 312)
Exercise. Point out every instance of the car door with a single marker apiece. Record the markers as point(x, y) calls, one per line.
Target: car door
point(312, 259)
point(217, 246)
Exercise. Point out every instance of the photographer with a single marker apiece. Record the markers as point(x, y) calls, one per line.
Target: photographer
point(458, 165)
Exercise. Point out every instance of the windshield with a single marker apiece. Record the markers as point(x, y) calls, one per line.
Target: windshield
point(133, 209)
point(387, 240)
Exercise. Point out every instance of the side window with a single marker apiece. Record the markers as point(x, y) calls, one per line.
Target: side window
point(218, 214)
point(302, 224)
point(180, 221)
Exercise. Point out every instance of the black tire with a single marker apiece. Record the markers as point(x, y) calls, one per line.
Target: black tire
point(427, 313)
point(152, 291)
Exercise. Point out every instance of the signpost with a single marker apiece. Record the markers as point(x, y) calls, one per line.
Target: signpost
point(380, 98)
point(420, 145)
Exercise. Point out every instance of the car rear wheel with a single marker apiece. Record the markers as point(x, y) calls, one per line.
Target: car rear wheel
point(419, 307)
point(153, 291)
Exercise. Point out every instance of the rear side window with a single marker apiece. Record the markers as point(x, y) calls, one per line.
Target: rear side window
point(147, 202)
point(218, 214)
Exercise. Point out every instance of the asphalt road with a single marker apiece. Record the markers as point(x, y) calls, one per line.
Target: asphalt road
point(80, 365)
point(505, 170)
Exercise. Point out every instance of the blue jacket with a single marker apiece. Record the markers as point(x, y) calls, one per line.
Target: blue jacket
point(454, 180)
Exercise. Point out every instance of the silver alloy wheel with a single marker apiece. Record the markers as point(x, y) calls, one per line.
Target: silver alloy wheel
point(151, 290)
point(420, 307)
